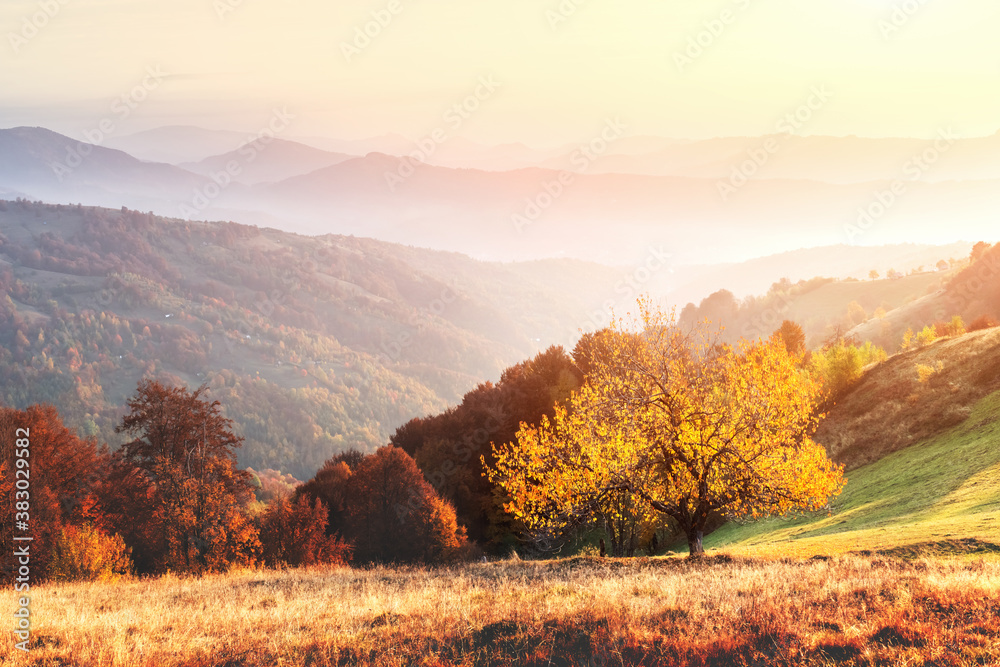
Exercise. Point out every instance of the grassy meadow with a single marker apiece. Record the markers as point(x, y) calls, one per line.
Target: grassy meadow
point(941, 496)
point(722, 611)
point(903, 571)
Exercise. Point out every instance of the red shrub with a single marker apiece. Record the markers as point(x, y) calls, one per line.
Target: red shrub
point(983, 322)
point(395, 516)
point(294, 534)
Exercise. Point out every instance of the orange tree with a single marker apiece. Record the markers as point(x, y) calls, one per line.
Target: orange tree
point(58, 484)
point(182, 461)
point(293, 533)
point(685, 425)
point(395, 516)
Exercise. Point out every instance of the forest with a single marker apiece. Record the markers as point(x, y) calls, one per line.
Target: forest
point(531, 464)
point(107, 314)
point(313, 346)
point(172, 499)
point(317, 346)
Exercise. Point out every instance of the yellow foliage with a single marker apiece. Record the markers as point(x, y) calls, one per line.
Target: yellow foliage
point(684, 424)
point(907, 339)
point(925, 373)
point(86, 553)
point(926, 336)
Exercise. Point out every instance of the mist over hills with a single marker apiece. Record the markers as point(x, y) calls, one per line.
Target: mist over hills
point(46, 165)
point(331, 340)
point(280, 161)
point(177, 143)
point(830, 159)
point(519, 203)
point(315, 345)
point(838, 261)
point(836, 160)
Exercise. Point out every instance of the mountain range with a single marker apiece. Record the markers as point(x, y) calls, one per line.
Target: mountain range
point(314, 344)
point(292, 276)
point(514, 203)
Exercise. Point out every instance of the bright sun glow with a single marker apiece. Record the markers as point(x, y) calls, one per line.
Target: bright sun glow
point(678, 69)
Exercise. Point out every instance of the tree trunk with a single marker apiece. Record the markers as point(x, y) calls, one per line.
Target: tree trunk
point(614, 536)
point(695, 548)
point(697, 526)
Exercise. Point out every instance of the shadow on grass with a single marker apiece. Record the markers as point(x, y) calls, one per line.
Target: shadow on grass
point(908, 486)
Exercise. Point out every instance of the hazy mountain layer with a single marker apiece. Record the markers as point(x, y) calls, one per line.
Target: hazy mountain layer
point(583, 204)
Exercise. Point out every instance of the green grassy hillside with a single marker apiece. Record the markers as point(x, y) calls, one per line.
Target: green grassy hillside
point(941, 495)
point(911, 397)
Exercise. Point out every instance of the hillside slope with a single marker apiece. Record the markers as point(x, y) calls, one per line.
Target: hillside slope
point(833, 261)
point(313, 345)
point(940, 496)
point(971, 293)
point(54, 167)
point(922, 458)
point(891, 408)
point(825, 306)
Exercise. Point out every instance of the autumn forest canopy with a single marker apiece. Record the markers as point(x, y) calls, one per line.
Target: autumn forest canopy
point(174, 405)
point(648, 431)
point(672, 423)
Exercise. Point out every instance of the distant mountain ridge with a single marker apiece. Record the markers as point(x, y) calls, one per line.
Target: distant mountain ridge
point(178, 143)
point(314, 345)
point(831, 159)
point(50, 166)
point(267, 162)
point(562, 208)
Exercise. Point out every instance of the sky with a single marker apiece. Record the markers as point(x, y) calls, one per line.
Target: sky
point(556, 69)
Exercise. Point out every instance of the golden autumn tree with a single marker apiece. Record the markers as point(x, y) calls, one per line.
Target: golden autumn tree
point(685, 425)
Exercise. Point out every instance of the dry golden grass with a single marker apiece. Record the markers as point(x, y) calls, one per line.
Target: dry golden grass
point(891, 409)
point(585, 611)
